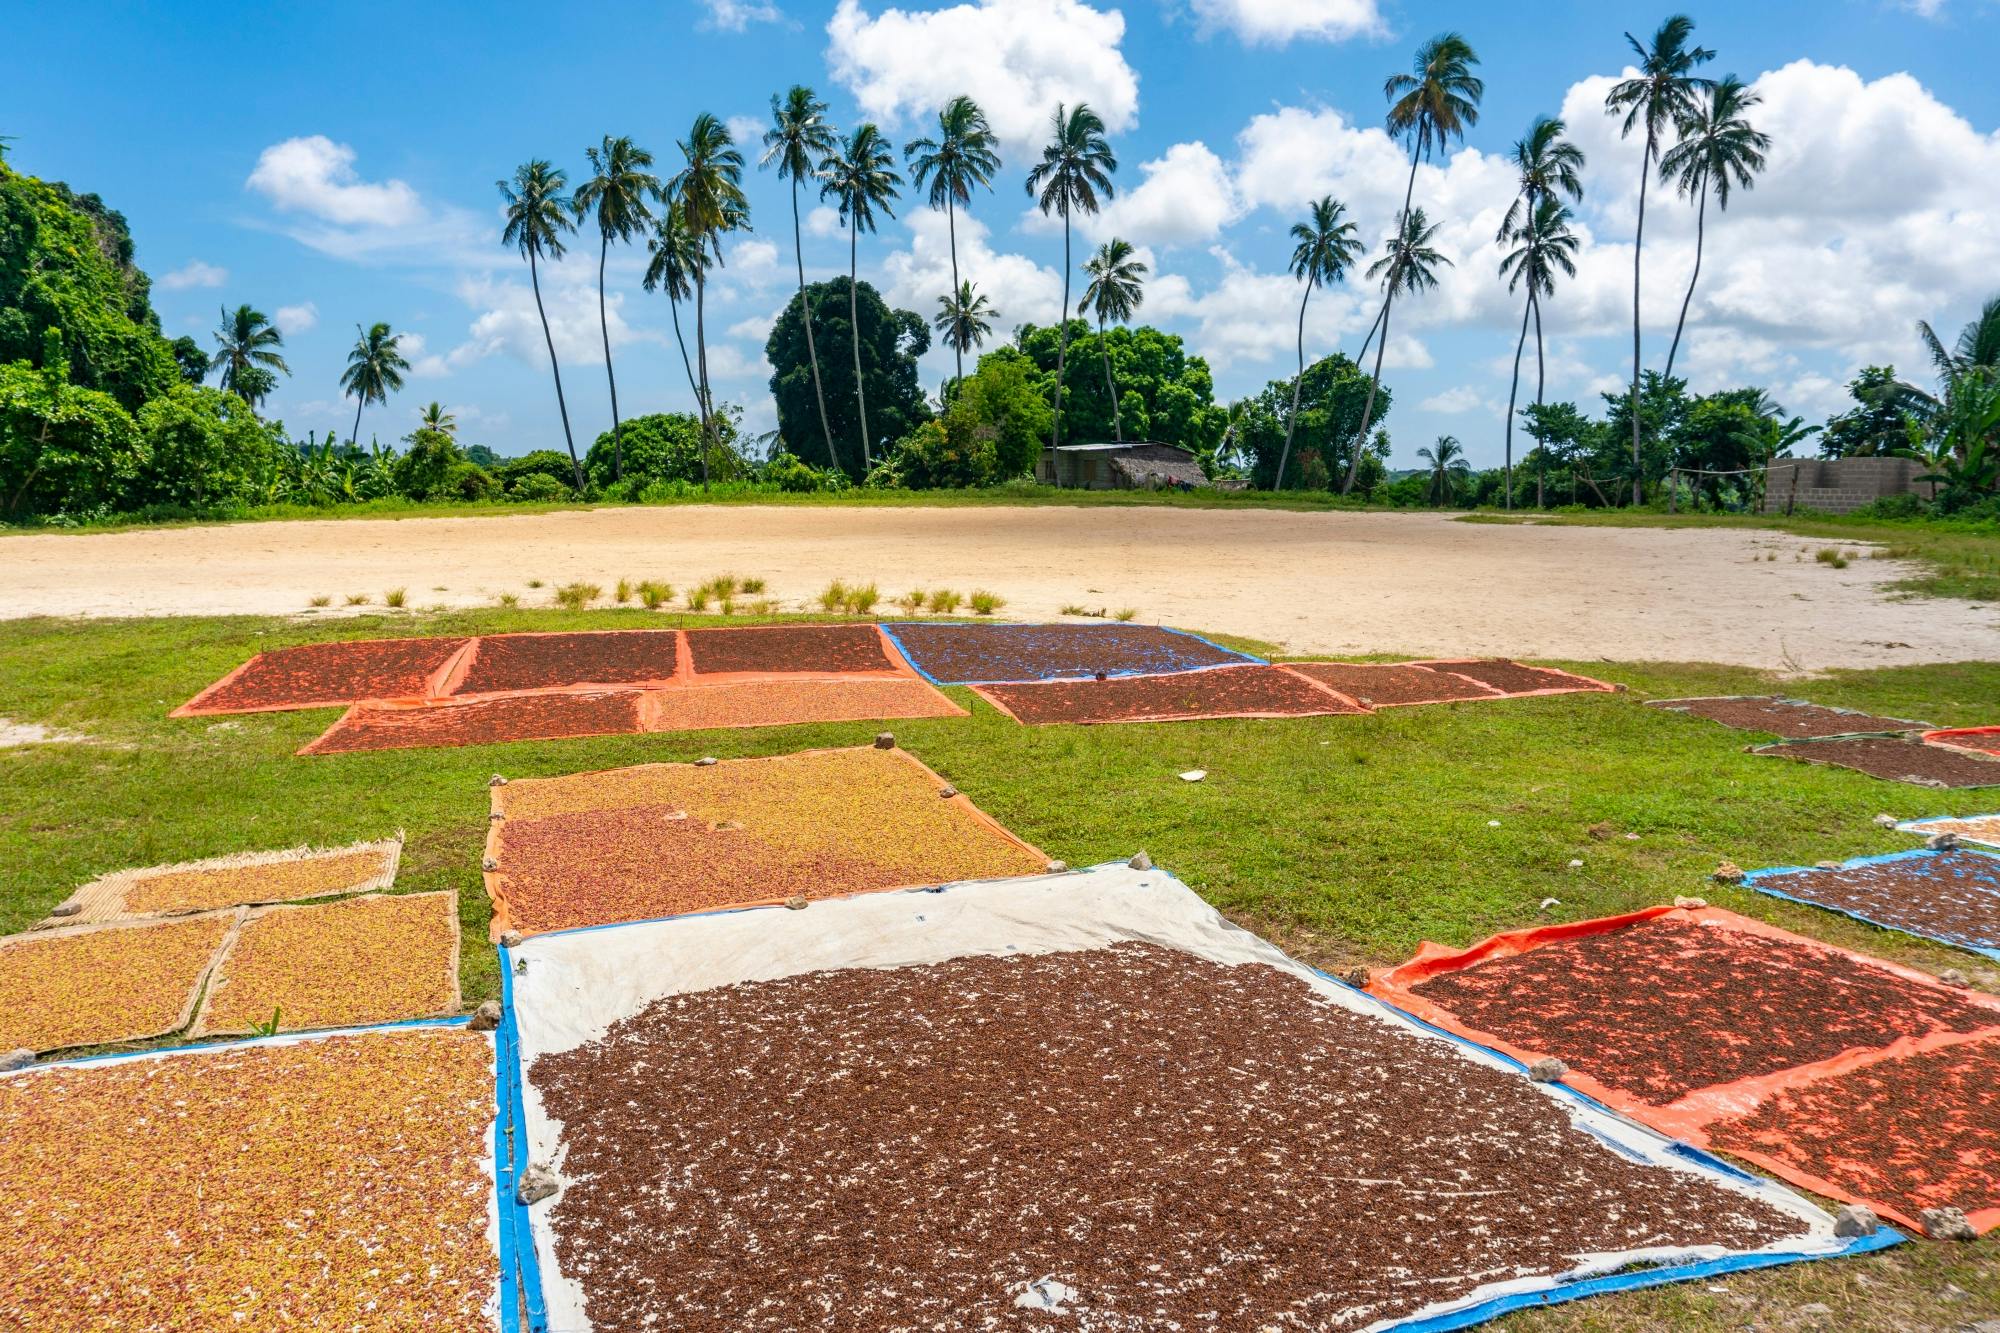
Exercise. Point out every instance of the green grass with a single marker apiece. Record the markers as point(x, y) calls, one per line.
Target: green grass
point(1346, 839)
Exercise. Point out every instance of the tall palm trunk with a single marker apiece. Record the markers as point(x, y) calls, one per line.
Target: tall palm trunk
point(806, 314)
point(1514, 389)
point(534, 280)
point(604, 327)
point(1368, 341)
point(1104, 350)
point(1700, 221)
point(1292, 421)
point(854, 338)
point(1368, 404)
point(1638, 246)
point(701, 360)
point(694, 385)
point(1541, 454)
point(1409, 190)
point(951, 227)
point(1062, 336)
point(360, 402)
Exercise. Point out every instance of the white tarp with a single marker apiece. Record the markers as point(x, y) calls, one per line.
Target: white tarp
point(576, 984)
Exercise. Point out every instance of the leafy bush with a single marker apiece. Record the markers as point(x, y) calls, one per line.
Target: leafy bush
point(63, 449)
point(955, 452)
point(203, 447)
point(537, 487)
point(466, 480)
point(795, 476)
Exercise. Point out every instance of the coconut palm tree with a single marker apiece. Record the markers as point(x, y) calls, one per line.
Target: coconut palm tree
point(1408, 264)
point(538, 217)
point(1076, 167)
point(435, 418)
point(962, 156)
point(1327, 247)
point(710, 190)
point(860, 176)
point(1436, 102)
point(246, 341)
point(1718, 151)
point(1662, 96)
point(616, 192)
point(374, 370)
point(964, 320)
point(1977, 350)
point(1448, 467)
point(1116, 289)
point(799, 139)
point(673, 255)
point(1544, 246)
point(1546, 164)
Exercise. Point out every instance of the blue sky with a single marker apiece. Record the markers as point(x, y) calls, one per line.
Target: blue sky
point(334, 165)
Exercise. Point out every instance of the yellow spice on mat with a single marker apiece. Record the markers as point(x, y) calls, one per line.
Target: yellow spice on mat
point(328, 1184)
point(309, 876)
point(97, 986)
point(365, 960)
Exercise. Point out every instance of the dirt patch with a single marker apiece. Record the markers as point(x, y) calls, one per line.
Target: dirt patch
point(1952, 896)
point(1895, 760)
point(817, 649)
point(966, 654)
point(320, 1185)
point(1393, 684)
point(325, 675)
point(664, 839)
point(1922, 1131)
point(507, 717)
point(1241, 691)
point(501, 662)
point(1510, 677)
point(104, 984)
point(1664, 1008)
point(14, 734)
point(1794, 718)
point(1135, 1136)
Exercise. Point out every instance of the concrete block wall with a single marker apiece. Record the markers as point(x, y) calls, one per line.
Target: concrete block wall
point(1839, 485)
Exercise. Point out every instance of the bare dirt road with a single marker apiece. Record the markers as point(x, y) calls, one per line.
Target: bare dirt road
point(1316, 583)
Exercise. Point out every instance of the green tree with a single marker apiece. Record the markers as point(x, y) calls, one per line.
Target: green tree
point(889, 343)
point(1546, 166)
point(1327, 247)
point(435, 417)
point(63, 448)
point(1448, 468)
point(961, 156)
point(860, 177)
point(1075, 169)
point(375, 367)
point(1544, 246)
point(616, 192)
point(1718, 151)
point(1116, 290)
point(665, 447)
point(191, 359)
point(1167, 394)
point(203, 447)
point(1876, 424)
point(1409, 265)
point(424, 470)
point(963, 320)
point(710, 190)
point(673, 256)
point(1661, 97)
point(538, 217)
point(1563, 435)
point(1436, 102)
point(1004, 395)
point(247, 341)
point(800, 138)
point(1323, 409)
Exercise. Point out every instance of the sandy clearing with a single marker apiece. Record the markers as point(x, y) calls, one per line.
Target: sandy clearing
point(1314, 582)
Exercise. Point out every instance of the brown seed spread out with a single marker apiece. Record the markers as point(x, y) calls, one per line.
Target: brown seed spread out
point(373, 959)
point(275, 882)
point(1784, 717)
point(1921, 1131)
point(1897, 760)
point(543, 661)
point(1244, 691)
point(1184, 1144)
point(1972, 828)
point(508, 717)
point(1510, 677)
point(671, 838)
point(960, 654)
point(1661, 1009)
point(319, 675)
point(819, 648)
point(1387, 684)
point(1949, 895)
point(774, 703)
point(331, 1184)
point(114, 983)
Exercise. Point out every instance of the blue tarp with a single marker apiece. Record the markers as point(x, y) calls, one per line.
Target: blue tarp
point(1976, 871)
point(1007, 654)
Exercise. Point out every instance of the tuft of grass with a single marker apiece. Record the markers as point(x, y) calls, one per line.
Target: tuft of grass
point(623, 592)
point(985, 603)
point(911, 602)
point(576, 596)
point(944, 601)
point(723, 585)
point(861, 599)
point(833, 597)
point(510, 599)
point(534, 583)
point(752, 586)
point(698, 598)
point(726, 605)
point(321, 600)
point(1831, 555)
point(653, 594)
point(1127, 613)
point(395, 597)
point(764, 606)
point(357, 599)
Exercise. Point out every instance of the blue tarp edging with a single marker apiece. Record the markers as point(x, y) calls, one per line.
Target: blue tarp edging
point(1755, 880)
point(459, 1020)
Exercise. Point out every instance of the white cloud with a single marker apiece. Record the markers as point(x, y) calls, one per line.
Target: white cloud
point(824, 221)
point(293, 320)
point(748, 131)
point(1016, 58)
point(754, 328)
point(194, 273)
point(1185, 197)
point(1276, 22)
point(316, 176)
point(509, 323)
point(1463, 398)
point(736, 15)
point(1021, 290)
point(1252, 316)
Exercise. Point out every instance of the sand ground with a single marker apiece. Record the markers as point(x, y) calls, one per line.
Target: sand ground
point(1313, 582)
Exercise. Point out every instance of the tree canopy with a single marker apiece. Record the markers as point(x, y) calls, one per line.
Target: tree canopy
point(890, 343)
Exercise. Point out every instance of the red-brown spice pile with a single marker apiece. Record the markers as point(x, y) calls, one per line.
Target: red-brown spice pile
point(509, 717)
point(544, 661)
point(1245, 691)
point(1179, 1144)
point(783, 648)
point(1388, 684)
point(321, 675)
point(1784, 717)
point(1661, 1009)
point(1510, 677)
point(1896, 760)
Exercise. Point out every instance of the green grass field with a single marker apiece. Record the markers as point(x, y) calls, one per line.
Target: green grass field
point(1346, 839)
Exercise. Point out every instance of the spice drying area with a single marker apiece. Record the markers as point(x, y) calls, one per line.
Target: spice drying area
point(810, 1040)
